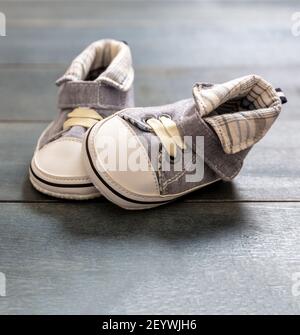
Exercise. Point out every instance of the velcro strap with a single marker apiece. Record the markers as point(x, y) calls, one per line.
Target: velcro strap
point(227, 166)
point(93, 95)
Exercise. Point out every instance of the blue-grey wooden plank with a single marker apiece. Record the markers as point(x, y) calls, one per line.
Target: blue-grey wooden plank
point(160, 33)
point(181, 259)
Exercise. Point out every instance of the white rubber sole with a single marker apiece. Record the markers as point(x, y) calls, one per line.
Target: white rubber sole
point(63, 192)
point(104, 184)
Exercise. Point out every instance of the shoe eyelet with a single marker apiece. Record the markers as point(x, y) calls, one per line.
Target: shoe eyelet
point(166, 115)
point(172, 160)
point(146, 118)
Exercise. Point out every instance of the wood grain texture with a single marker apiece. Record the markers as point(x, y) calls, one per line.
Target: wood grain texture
point(160, 33)
point(270, 172)
point(229, 248)
point(185, 258)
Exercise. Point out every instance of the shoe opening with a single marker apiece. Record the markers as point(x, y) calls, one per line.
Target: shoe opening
point(240, 111)
point(104, 61)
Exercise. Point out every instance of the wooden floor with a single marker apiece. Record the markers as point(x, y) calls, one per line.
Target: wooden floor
point(230, 248)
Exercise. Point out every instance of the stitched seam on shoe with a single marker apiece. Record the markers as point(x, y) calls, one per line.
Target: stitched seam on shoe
point(177, 176)
point(69, 196)
point(200, 101)
point(49, 177)
point(95, 104)
point(168, 181)
point(159, 171)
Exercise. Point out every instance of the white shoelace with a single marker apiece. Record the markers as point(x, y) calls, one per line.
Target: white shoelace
point(168, 133)
point(82, 116)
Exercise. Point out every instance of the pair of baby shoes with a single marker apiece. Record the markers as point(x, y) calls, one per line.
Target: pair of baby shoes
point(140, 158)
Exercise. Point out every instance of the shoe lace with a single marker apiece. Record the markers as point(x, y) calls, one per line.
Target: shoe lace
point(167, 131)
point(82, 116)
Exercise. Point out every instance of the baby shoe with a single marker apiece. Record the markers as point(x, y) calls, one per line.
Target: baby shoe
point(98, 83)
point(145, 157)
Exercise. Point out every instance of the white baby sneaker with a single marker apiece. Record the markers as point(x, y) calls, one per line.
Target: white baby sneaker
point(98, 83)
point(145, 157)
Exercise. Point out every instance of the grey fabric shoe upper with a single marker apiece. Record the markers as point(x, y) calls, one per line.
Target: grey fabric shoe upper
point(231, 117)
point(100, 78)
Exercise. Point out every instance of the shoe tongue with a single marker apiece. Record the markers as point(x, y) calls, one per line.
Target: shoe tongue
point(111, 57)
point(75, 131)
point(86, 117)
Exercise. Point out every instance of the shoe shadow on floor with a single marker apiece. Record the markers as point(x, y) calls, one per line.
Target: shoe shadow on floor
point(187, 218)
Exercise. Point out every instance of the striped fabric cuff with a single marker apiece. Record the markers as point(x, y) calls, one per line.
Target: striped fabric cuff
point(240, 111)
point(114, 57)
